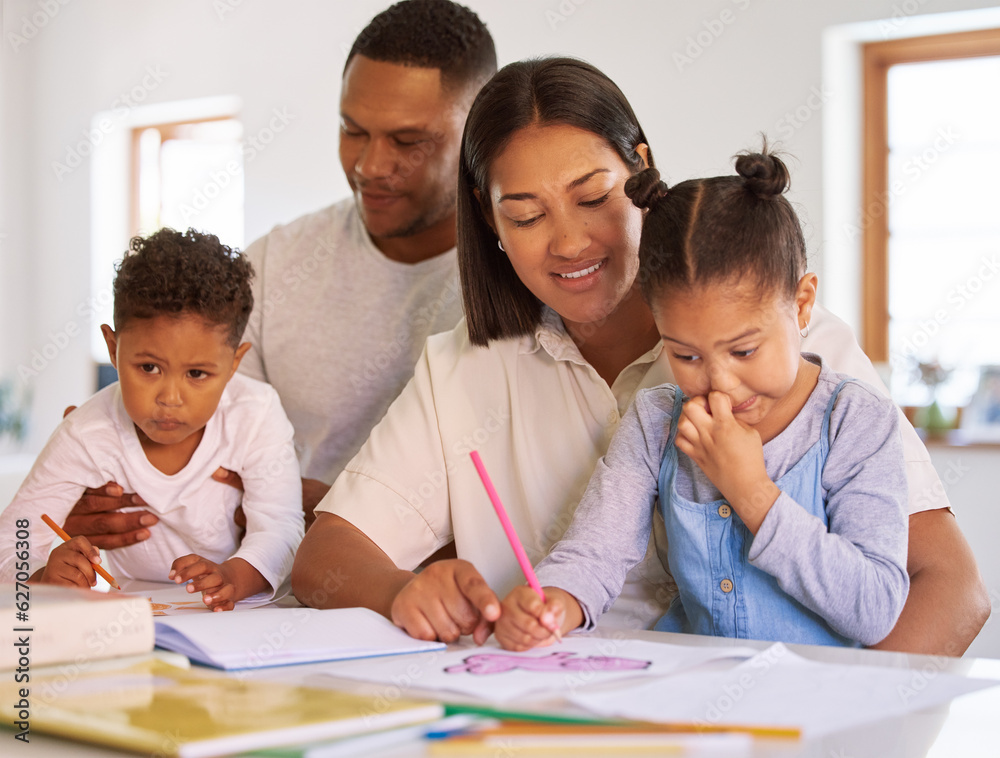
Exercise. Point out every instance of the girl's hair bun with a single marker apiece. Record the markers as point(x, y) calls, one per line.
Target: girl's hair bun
point(764, 174)
point(645, 188)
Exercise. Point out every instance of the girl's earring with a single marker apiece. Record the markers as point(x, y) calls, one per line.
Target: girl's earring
point(804, 331)
point(500, 245)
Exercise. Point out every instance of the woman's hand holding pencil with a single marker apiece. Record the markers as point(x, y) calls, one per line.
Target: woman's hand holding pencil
point(536, 621)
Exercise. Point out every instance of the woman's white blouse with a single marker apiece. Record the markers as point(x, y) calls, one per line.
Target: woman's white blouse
point(540, 417)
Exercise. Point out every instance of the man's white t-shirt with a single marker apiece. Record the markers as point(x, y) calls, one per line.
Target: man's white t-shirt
point(337, 328)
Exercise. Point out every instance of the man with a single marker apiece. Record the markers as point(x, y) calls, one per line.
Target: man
point(346, 296)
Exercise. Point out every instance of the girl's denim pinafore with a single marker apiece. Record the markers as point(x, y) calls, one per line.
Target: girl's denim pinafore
point(708, 547)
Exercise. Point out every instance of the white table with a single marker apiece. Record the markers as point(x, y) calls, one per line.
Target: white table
point(969, 728)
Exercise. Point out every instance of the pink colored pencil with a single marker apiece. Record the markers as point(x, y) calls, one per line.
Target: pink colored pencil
point(508, 528)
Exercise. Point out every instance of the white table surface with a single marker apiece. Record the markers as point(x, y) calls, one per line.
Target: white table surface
point(969, 727)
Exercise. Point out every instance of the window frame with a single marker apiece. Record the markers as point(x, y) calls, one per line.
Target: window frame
point(877, 58)
point(168, 130)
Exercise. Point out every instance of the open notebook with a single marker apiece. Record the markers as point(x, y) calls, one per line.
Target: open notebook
point(282, 636)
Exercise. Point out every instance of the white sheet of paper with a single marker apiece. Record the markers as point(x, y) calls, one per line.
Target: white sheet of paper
point(779, 688)
point(497, 675)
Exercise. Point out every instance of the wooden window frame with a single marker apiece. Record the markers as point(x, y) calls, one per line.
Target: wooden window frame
point(877, 57)
point(168, 130)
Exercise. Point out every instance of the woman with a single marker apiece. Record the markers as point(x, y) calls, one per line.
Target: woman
point(556, 342)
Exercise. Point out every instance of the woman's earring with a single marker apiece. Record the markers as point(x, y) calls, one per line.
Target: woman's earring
point(804, 331)
point(500, 245)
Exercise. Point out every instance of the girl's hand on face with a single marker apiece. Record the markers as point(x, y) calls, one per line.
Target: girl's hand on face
point(730, 454)
point(526, 622)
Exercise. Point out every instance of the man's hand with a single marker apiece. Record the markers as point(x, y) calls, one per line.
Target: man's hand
point(233, 479)
point(93, 515)
point(97, 517)
point(445, 600)
point(313, 490)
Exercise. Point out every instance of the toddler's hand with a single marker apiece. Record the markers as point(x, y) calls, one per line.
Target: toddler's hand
point(72, 564)
point(213, 580)
point(526, 622)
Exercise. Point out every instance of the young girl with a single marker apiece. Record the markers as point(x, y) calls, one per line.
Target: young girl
point(781, 483)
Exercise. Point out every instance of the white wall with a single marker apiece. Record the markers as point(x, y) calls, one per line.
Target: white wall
point(758, 68)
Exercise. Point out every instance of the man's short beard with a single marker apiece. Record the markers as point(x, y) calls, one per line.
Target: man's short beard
point(423, 222)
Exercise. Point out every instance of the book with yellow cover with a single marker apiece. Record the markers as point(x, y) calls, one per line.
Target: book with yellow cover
point(158, 709)
point(46, 624)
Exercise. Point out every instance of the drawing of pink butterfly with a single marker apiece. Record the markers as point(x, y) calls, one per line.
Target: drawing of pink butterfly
point(499, 663)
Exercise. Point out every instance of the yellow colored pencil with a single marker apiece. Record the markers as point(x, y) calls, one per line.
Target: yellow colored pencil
point(59, 530)
point(525, 729)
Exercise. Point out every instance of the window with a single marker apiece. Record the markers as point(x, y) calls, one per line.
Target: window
point(931, 198)
point(177, 164)
point(189, 175)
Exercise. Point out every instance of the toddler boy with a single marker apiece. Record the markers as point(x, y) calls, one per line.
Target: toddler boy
point(178, 412)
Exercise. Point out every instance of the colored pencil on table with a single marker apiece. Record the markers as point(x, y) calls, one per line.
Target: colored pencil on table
point(508, 528)
point(59, 530)
point(539, 729)
point(523, 722)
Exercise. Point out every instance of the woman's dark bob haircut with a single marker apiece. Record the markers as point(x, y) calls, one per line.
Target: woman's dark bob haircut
point(543, 91)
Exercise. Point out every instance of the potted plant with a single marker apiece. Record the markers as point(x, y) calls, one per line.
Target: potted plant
point(932, 418)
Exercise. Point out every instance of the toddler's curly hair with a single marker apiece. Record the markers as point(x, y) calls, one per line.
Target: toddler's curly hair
point(175, 273)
